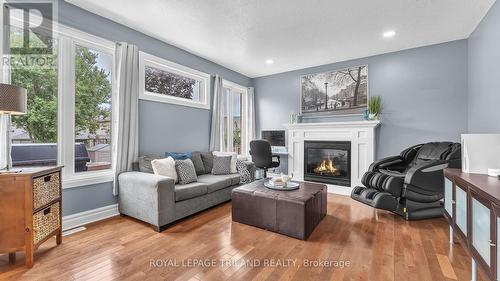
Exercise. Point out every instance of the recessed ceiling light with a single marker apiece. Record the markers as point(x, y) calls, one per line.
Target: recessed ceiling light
point(389, 34)
point(269, 61)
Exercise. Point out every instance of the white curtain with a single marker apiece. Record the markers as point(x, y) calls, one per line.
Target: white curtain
point(216, 132)
point(126, 120)
point(250, 117)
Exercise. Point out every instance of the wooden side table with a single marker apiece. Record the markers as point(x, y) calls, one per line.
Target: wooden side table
point(30, 210)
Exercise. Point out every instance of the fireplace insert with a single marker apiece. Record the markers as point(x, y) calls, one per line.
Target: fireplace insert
point(328, 162)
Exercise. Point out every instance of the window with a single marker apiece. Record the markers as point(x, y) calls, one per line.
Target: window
point(234, 131)
point(165, 81)
point(93, 87)
point(69, 105)
point(35, 134)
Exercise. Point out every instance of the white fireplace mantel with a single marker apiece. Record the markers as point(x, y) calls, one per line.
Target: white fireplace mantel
point(361, 134)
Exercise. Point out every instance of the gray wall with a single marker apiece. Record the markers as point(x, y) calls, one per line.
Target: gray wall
point(484, 74)
point(163, 127)
point(423, 90)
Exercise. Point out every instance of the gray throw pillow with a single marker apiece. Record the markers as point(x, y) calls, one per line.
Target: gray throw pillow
point(145, 163)
point(185, 171)
point(208, 161)
point(198, 163)
point(222, 165)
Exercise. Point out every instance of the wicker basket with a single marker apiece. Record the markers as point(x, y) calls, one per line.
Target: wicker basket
point(45, 190)
point(45, 222)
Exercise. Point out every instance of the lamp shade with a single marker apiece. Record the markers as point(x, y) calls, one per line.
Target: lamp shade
point(12, 99)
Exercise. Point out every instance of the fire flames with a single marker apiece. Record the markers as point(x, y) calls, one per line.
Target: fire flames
point(326, 167)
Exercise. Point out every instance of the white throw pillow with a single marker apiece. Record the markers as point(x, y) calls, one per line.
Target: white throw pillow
point(165, 167)
point(234, 158)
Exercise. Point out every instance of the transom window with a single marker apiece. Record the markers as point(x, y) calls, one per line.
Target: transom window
point(165, 81)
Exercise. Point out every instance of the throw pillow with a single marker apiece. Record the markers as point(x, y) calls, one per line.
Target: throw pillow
point(245, 176)
point(208, 161)
point(198, 163)
point(145, 163)
point(185, 171)
point(222, 165)
point(165, 167)
point(178, 155)
point(234, 157)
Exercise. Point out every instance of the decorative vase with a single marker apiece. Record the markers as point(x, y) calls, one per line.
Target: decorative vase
point(373, 116)
point(365, 115)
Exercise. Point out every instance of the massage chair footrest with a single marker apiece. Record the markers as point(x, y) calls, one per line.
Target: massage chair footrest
point(375, 198)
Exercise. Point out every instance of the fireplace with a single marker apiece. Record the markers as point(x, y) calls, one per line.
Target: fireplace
point(328, 162)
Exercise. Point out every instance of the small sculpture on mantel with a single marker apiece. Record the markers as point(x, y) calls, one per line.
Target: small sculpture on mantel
point(295, 118)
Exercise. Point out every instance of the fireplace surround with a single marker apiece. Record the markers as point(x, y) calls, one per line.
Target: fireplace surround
point(360, 134)
point(328, 162)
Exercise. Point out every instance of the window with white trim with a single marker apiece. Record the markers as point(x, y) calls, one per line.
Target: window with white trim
point(69, 105)
point(234, 118)
point(168, 82)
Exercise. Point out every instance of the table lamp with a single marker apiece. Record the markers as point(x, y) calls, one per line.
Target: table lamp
point(13, 101)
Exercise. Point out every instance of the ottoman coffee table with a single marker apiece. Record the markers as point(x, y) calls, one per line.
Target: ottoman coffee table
point(294, 213)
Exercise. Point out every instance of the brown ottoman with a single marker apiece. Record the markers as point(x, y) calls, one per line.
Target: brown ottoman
point(294, 213)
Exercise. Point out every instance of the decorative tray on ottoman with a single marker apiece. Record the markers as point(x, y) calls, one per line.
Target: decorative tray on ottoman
point(289, 186)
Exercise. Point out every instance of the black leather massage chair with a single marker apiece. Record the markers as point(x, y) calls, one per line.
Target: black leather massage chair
point(412, 183)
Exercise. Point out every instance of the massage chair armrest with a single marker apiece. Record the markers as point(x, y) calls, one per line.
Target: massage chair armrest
point(427, 176)
point(276, 157)
point(386, 163)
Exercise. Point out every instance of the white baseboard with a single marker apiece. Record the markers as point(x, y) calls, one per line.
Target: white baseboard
point(90, 216)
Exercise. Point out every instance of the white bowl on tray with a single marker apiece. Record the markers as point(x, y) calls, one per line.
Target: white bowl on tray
point(288, 186)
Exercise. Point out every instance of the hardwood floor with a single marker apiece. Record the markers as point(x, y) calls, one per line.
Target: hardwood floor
point(374, 245)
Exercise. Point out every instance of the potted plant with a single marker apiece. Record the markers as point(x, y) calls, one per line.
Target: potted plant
point(374, 107)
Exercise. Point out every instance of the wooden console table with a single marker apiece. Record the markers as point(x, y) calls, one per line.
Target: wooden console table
point(472, 207)
point(30, 210)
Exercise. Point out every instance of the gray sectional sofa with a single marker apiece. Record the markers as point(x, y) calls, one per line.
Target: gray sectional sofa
point(159, 201)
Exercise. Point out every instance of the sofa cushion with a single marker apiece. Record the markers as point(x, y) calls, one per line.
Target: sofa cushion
point(222, 165)
point(234, 157)
point(165, 167)
point(185, 171)
point(198, 163)
point(145, 163)
point(178, 155)
point(245, 176)
point(190, 190)
point(218, 182)
point(208, 161)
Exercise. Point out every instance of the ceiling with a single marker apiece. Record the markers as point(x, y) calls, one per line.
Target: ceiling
point(242, 34)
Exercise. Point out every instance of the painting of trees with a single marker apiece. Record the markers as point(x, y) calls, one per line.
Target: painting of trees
point(342, 91)
point(347, 77)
